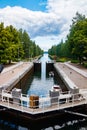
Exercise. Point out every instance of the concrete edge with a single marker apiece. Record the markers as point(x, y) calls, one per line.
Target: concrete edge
point(69, 83)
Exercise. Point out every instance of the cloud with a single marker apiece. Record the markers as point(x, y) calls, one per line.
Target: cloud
point(35, 22)
point(46, 41)
point(46, 28)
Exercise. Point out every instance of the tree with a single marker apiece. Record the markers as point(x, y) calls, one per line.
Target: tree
point(77, 37)
point(16, 44)
point(77, 18)
point(9, 43)
point(76, 44)
point(80, 40)
point(12, 51)
point(29, 46)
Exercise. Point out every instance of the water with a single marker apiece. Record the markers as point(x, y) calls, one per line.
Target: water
point(40, 84)
point(70, 125)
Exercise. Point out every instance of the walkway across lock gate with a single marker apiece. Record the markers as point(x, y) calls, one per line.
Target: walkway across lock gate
point(42, 104)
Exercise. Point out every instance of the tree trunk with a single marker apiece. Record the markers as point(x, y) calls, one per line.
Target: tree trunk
point(9, 62)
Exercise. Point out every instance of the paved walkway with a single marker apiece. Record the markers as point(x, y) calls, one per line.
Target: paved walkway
point(13, 73)
point(82, 71)
point(77, 75)
point(6, 69)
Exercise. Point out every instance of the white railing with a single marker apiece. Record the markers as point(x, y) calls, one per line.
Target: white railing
point(42, 104)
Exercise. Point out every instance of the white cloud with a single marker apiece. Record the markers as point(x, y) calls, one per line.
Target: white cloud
point(46, 41)
point(46, 28)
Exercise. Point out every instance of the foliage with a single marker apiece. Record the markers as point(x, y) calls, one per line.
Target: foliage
point(85, 64)
point(78, 39)
point(75, 46)
point(29, 46)
point(74, 61)
point(16, 45)
point(62, 59)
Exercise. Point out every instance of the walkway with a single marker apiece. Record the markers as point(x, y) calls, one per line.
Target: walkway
point(24, 104)
point(11, 75)
point(76, 75)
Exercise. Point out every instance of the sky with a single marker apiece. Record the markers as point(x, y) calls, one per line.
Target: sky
point(46, 21)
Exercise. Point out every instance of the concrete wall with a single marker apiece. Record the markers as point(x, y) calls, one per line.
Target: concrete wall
point(25, 77)
point(21, 81)
point(60, 81)
point(69, 84)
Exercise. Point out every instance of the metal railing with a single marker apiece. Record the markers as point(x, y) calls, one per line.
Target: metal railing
point(42, 104)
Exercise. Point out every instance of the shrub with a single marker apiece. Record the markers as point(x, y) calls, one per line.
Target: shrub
point(85, 64)
point(4, 61)
point(74, 61)
point(62, 59)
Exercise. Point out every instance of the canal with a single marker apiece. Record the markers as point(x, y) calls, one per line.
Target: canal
point(40, 84)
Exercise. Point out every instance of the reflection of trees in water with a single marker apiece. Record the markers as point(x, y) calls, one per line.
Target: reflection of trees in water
point(41, 83)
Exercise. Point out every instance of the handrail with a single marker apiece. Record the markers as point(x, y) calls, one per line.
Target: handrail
point(42, 104)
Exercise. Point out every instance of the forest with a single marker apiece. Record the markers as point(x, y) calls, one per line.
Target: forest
point(74, 48)
point(16, 45)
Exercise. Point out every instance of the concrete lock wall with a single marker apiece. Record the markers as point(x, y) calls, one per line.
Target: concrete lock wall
point(69, 84)
point(21, 83)
point(22, 80)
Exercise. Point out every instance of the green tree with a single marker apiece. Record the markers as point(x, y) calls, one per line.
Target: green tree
point(12, 51)
point(26, 43)
point(29, 46)
point(15, 44)
point(75, 45)
point(77, 37)
point(9, 43)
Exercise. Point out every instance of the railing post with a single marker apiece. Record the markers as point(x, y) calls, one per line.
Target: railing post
point(86, 100)
point(42, 105)
point(8, 101)
point(2, 95)
point(27, 102)
point(58, 103)
point(72, 100)
point(21, 103)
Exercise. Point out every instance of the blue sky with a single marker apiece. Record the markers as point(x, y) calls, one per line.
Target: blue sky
point(46, 21)
point(35, 5)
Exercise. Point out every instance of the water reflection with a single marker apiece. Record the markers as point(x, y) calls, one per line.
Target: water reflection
point(80, 124)
point(41, 84)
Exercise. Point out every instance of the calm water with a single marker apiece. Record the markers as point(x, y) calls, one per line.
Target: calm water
point(40, 84)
